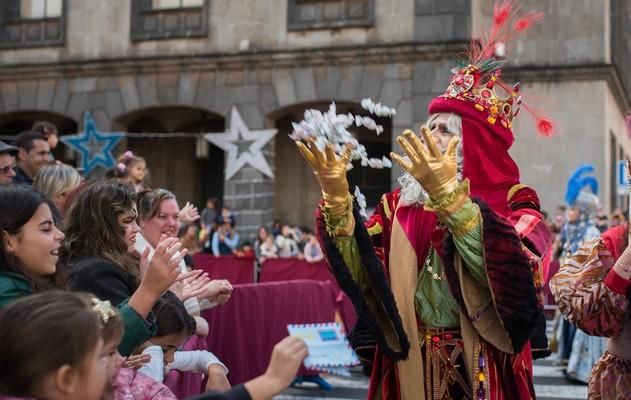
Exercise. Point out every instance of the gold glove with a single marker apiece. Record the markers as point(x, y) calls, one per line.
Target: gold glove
point(330, 171)
point(436, 172)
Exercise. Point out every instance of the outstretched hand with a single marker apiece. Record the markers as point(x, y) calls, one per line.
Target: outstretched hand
point(435, 171)
point(189, 213)
point(329, 169)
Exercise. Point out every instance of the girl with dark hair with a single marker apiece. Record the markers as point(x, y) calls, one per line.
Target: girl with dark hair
point(54, 352)
point(29, 244)
point(100, 236)
point(174, 327)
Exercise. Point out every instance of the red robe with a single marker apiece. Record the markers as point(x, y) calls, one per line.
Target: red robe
point(513, 261)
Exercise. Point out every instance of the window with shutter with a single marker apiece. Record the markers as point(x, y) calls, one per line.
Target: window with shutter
point(32, 23)
point(329, 14)
point(167, 19)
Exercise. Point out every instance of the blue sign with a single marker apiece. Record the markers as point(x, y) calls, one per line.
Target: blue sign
point(622, 178)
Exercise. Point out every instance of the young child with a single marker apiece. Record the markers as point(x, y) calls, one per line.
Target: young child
point(268, 249)
point(125, 383)
point(313, 252)
point(245, 250)
point(54, 352)
point(131, 169)
point(174, 326)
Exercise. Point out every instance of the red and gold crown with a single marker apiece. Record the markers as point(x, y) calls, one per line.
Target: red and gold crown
point(472, 84)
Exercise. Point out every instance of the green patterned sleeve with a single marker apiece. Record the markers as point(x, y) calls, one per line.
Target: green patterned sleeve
point(347, 245)
point(466, 228)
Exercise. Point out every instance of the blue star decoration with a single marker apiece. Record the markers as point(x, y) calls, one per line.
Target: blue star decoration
point(94, 147)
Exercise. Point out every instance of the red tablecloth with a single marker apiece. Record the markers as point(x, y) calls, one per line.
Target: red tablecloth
point(288, 269)
point(237, 270)
point(244, 331)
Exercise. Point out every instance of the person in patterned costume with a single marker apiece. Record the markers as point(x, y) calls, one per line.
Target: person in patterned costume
point(592, 291)
point(446, 275)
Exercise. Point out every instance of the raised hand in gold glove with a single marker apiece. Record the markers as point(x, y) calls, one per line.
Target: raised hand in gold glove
point(330, 171)
point(436, 172)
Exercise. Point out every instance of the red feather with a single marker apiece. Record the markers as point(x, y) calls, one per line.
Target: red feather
point(545, 126)
point(501, 12)
point(527, 21)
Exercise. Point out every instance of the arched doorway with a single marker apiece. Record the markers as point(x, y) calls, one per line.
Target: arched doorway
point(190, 167)
point(13, 123)
point(296, 192)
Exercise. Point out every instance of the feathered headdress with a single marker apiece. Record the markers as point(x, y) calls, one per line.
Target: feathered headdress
point(479, 72)
point(582, 190)
point(487, 116)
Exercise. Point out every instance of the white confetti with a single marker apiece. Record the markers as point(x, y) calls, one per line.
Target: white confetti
point(361, 202)
point(332, 128)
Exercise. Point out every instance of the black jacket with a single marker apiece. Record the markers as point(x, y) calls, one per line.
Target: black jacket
point(21, 177)
point(102, 278)
point(108, 281)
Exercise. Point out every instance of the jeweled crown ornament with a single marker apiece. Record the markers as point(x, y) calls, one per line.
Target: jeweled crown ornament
point(466, 85)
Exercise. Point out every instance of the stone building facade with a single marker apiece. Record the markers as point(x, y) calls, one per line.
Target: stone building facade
point(165, 66)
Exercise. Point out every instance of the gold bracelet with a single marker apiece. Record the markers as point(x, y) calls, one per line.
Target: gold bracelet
point(451, 202)
point(339, 221)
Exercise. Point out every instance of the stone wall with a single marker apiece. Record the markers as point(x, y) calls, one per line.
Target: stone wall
point(573, 32)
point(101, 29)
point(442, 21)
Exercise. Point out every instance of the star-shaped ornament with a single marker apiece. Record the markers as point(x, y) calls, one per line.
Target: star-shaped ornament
point(243, 145)
point(94, 147)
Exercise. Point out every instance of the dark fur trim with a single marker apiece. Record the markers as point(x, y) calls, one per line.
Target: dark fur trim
point(375, 271)
point(539, 339)
point(510, 274)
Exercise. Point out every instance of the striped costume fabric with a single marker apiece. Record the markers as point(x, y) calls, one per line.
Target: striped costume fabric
point(586, 301)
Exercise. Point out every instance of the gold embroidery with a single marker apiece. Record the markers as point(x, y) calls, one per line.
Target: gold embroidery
point(386, 207)
point(443, 359)
point(375, 229)
point(515, 189)
point(467, 226)
point(451, 202)
point(345, 224)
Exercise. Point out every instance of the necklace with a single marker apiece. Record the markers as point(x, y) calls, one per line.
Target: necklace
point(430, 269)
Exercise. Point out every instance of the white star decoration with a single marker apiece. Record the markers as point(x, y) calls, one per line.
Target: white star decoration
point(240, 134)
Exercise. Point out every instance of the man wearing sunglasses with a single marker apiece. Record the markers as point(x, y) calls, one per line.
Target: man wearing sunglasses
point(7, 162)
